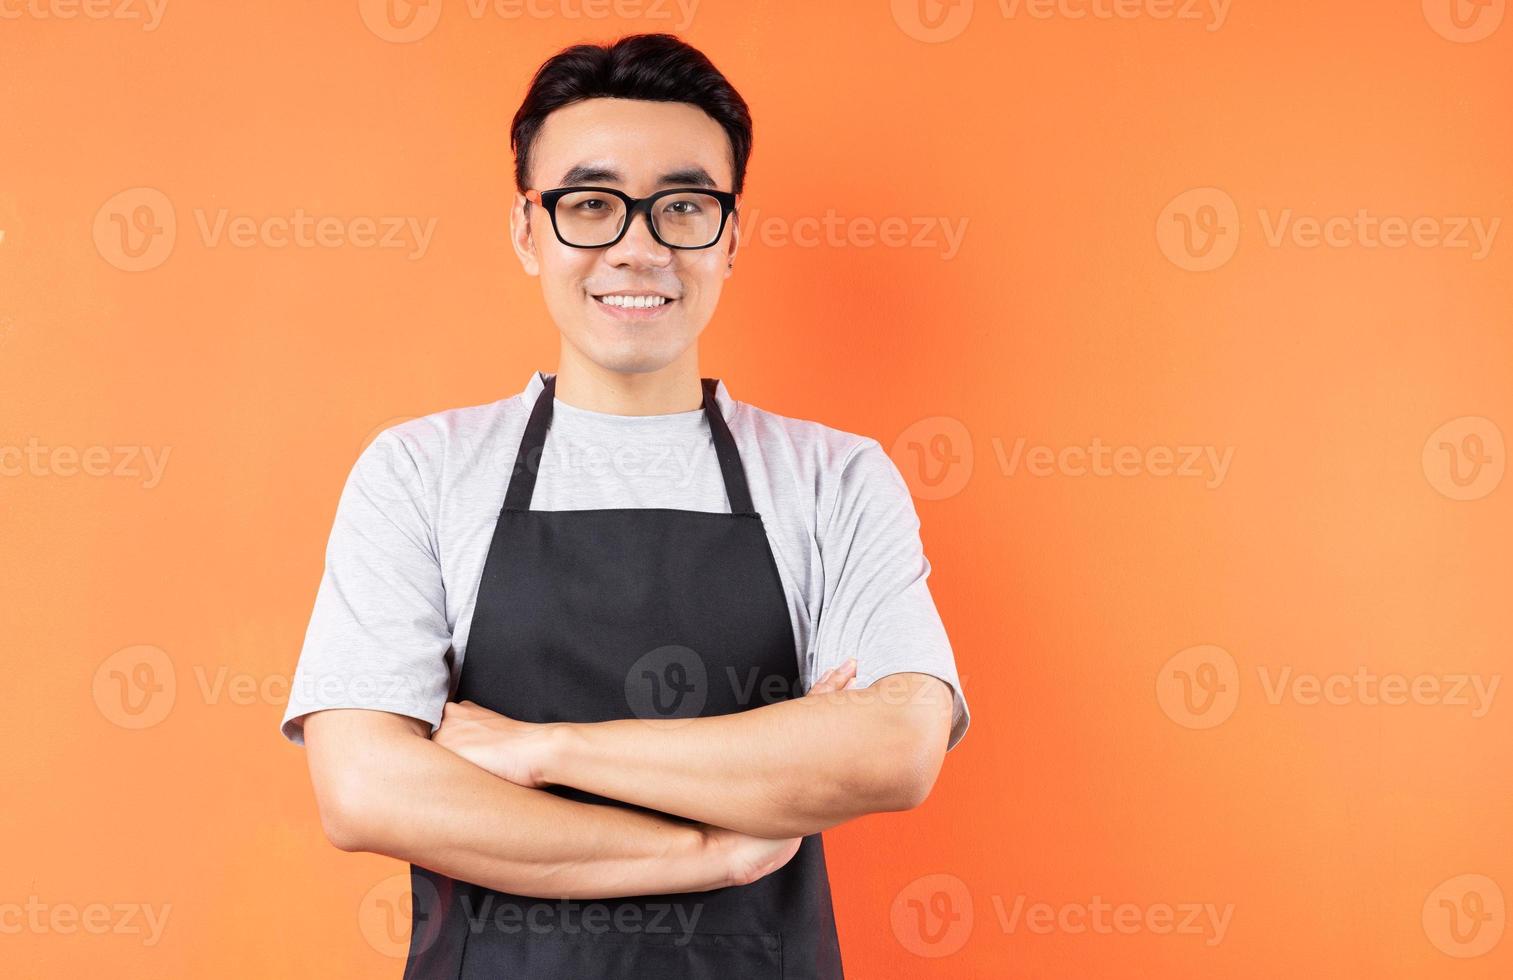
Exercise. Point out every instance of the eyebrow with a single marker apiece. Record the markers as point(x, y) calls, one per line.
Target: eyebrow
point(684, 177)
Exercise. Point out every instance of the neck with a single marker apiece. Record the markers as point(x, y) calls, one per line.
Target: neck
point(674, 388)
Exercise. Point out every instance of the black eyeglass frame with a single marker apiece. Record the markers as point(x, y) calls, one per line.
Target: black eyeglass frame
point(548, 201)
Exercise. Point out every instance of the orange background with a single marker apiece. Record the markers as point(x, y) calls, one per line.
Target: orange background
point(1069, 313)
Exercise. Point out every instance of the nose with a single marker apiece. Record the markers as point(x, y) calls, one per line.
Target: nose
point(638, 247)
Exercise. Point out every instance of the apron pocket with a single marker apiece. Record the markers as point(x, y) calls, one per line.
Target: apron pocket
point(554, 955)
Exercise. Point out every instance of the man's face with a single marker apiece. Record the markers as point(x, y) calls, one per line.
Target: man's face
point(639, 148)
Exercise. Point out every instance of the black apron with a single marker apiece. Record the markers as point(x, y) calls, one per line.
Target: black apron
point(593, 615)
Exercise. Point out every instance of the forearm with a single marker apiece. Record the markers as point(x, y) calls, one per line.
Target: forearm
point(785, 769)
point(399, 794)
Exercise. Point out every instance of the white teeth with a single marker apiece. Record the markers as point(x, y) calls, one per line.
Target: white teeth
point(633, 302)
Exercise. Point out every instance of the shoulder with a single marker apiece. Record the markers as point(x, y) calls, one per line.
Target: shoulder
point(830, 466)
point(430, 444)
point(824, 447)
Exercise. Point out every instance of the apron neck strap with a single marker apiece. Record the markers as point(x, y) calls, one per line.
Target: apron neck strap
point(528, 459)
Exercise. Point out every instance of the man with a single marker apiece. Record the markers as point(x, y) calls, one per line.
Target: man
point(602, 659)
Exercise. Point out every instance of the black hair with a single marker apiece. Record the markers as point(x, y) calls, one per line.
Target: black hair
point(650, 67)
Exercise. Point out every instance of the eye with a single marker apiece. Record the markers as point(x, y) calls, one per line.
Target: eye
point(686, 207)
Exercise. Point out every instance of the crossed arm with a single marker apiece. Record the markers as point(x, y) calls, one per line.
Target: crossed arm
point(468, 801)
point(786, 769)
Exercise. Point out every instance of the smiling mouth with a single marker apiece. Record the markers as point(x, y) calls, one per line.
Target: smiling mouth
point(634, 301)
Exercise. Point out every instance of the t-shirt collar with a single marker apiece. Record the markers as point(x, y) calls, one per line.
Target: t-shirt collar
point(538, 381)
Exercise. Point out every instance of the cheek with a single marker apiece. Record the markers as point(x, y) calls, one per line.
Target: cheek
point(564, 274)
point(703, 277)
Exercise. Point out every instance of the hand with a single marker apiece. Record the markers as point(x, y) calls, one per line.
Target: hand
point(747, 858)
point(509, 749)
point(835, 679)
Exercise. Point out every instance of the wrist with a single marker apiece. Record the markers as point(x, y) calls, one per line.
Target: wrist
point(554, 752)
point(716, 855)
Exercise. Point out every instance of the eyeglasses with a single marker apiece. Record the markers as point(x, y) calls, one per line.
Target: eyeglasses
point(597, 217)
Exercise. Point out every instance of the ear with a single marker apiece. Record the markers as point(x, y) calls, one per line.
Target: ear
point(735, 235)
point(522, 216)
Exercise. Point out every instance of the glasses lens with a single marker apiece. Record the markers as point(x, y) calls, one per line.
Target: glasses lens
point(592, 218)
point(589, 218)
point(690, 220)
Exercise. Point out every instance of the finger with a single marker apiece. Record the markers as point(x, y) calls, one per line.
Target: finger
point(827, 683)
point(838, 678)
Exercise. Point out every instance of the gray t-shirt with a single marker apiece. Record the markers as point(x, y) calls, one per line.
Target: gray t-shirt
point(390, 626)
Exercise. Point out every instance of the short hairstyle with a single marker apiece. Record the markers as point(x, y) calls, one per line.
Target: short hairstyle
point(650, 67)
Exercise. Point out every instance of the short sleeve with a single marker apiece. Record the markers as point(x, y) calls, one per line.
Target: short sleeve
point(378, 636)
point(877, 605)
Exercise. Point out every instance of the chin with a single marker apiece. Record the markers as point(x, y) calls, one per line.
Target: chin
point(632, 355)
